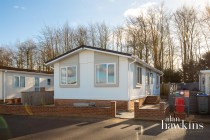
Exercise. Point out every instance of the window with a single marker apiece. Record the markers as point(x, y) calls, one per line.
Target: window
point(19, 81)
point(68, 75)
point(139, 75)
point(151, 78)
point(105, 74)
point(22, 81)
point(36, 81)
point(48, 82)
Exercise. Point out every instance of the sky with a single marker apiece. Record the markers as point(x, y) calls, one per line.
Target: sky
point(24, 19)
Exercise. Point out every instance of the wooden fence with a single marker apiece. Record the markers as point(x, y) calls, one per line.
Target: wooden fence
point(167, 88)
point(37, 98)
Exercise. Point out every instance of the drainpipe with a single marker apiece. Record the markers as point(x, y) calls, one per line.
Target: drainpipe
point(129, 84)
point(4, 91)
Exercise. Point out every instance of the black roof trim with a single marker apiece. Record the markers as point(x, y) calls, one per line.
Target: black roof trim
point(89, 47)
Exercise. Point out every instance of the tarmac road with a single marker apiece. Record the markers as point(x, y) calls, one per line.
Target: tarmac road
point(55, 128)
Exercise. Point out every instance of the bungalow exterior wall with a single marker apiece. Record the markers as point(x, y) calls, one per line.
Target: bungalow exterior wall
point(86, 88)
point(125, 88)
point(15, 92)
point(142, 91)
point(136, 92)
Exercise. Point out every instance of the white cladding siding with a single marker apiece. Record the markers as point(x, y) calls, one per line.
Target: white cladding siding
point(73, 61)
point(87, 88)
point(15, 92)
point(1, 85)
point(140, 91)
point(136, 92)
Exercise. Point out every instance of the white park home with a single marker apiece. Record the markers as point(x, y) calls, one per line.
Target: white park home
point(95, 74)
point(204, 81)
point(13, 81)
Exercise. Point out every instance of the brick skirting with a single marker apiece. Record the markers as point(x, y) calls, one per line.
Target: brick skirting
point(60, 110)
point(120, 105)
point(151, 114)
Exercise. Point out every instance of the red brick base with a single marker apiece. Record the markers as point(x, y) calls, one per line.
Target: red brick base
point(60, 110)
point(120, 105)
point(151, 114)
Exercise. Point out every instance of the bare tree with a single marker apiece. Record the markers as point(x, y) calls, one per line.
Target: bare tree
point(185, 20)
point(6, 56)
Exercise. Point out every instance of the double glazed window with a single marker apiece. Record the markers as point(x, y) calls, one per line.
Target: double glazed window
point(139, 75)
point(105, 73)
point(68, 75)
point(19, 81)
point(48, 82)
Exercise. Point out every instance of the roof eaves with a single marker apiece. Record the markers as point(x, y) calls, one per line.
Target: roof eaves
point(147, 65)
point(204, 71)
point(24, 70)
point(109, 52)
point(63, 55)
point(87, 48)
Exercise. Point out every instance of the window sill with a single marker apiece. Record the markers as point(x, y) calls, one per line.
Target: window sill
point(106, 85)
point(69, 86)
point(139, 85)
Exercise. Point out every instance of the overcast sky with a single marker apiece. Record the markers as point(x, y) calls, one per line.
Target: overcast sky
point(24, 19)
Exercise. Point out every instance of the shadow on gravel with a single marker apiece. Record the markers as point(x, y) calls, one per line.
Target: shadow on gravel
point(149, 127)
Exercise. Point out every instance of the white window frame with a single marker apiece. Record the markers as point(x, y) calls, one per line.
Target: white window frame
point(66, 67)
point(107, 74)
point(19, 81)
point(139, 84)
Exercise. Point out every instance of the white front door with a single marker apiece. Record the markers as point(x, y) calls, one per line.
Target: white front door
point(147, 85)
point(37, 84)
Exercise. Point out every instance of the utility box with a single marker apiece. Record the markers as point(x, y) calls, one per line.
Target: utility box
point(202, 100)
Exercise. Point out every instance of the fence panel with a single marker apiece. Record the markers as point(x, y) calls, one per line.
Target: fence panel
point(38, 98)
point(167, 88)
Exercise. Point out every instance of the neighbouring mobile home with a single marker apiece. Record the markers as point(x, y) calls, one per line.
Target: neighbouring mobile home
point(90, 74)
point(204, 81)
point(15, 80)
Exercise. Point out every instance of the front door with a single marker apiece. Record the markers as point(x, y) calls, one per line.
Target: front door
point(36, 85)
point(147, 88)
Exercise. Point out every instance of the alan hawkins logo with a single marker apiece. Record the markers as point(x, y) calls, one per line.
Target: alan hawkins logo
point(174, 123)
